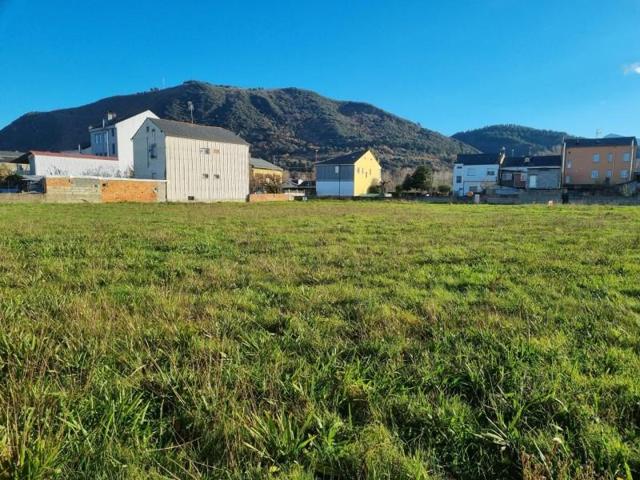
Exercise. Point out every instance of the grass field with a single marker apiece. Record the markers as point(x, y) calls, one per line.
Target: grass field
point(319, 340)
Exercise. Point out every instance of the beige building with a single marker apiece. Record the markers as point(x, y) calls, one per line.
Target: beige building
point(598, 161)
point(199, 163)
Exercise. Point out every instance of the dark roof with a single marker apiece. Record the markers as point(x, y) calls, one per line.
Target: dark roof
point(6, 156)
point(534, 161)
point(348, 159)
point(599, 142)
point(260, 163)
point(114, 120)
point(479, 158)
point(172, 128)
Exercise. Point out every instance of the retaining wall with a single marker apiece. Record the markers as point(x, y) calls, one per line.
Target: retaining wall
point(269, 197)
point(94, 190)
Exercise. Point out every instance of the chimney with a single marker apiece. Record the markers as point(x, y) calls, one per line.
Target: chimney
point(111, 116)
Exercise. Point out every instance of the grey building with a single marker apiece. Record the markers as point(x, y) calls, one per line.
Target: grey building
point(532, 173)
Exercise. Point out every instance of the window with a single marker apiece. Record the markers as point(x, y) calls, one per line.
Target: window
point(113, 149)
point(567, 179)
point(205, 175)
point(491, 173)
point(459, 179)
point(507, 176)
point(596, 158)
point(152, 151)
point(610, 157)
point(569, 163)
point(595, 173)
point(471, 172)
point(337, 169)
point(624, 174)
point(205, 151)
point(609, 173)
point(627, 157)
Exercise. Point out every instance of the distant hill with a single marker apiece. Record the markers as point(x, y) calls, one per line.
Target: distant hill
point(285, 126)
point(515, 139)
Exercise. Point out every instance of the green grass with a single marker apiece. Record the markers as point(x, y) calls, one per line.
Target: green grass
point(319, 340)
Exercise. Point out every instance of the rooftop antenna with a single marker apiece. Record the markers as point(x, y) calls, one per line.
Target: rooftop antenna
point(190, 106)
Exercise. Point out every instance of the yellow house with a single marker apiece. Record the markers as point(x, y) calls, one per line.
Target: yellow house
point(350, 175)
point(262, 168)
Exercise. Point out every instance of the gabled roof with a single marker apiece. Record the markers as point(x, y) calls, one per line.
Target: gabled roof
point(115, 120)
point(479, 158)
point(24, 158)
point(348, 159)
point(263, 164)
point(599, 142)
point(192, 131)
point(534, 161)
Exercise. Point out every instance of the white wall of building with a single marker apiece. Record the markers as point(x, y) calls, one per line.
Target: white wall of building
point(195, 170)
point(334, 189)
point(474, 178)
point(72, 165)
point(116, 140)
point(149, 152)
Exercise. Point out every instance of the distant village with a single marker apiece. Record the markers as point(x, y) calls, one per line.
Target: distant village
point(144, 158)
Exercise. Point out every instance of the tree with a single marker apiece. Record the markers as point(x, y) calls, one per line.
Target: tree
point(421, 179)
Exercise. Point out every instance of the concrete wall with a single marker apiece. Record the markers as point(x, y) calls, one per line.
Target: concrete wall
point(149, 152)
point(94, 190)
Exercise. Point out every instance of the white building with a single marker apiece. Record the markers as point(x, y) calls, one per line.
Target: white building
point(475, 173)
point(69, 164)
point(114, 138)
point(199, 163)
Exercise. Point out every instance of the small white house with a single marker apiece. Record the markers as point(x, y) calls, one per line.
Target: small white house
point(199, 163)
point(476, 172)
point(113, 138)
point(69, 164)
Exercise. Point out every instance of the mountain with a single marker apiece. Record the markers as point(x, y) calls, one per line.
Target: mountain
point(285, 126)
point(516, 139)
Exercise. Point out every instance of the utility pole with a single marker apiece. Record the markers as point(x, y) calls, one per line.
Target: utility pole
point(190, 106)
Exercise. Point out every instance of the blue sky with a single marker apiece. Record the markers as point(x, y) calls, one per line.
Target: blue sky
point(450, 65)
